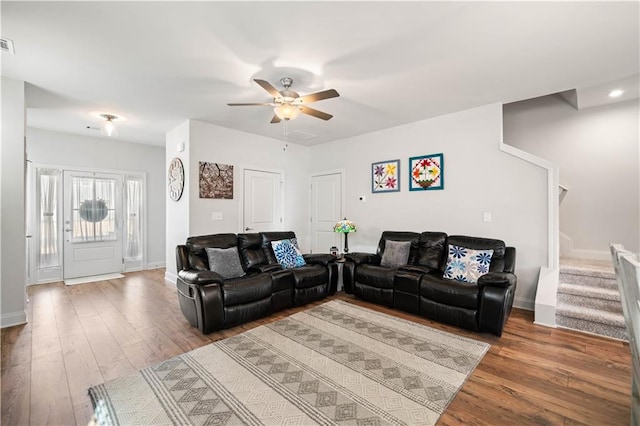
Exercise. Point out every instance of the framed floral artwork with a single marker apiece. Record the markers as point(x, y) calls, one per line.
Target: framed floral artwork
point(385, 176)
point(216, 180)
point(426, 172)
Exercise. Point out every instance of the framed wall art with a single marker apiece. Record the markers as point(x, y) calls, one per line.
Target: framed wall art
point(385, 176)
point(176, 179)
point(216, 180)
point(426, 172)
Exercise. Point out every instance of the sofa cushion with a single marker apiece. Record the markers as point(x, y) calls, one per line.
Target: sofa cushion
point(246, 289)
point(287, 254)
point(467, 265)
point(375, 276)
point(396, 253)
point(225, 261)
point(251, 252)
point(432, 250)
point(310, 276)
point(449, 292)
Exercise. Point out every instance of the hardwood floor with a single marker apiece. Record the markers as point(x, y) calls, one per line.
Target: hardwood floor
point(86, 334)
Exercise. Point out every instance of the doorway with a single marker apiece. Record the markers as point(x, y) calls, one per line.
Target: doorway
point(262, 203)
point(326, 210)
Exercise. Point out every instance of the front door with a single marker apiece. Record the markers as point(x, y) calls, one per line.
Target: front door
point(92, 224)
point(262, 201)
point(326, 208)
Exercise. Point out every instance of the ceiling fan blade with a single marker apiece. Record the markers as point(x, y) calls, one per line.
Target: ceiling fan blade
point(318, 96)
point(275, 119)
point(251, 104)
point(314, 112)
point(268, 87)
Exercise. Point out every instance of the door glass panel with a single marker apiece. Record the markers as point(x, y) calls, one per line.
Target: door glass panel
point(93, 210)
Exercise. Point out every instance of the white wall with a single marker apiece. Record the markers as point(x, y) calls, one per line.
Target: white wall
point(207, 142)
point(12, 203)
point(597, 150)
point(68, 150)
point(478, 178)
point(177, 228)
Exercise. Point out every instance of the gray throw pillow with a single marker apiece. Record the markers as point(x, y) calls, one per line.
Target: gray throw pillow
point(226, 262)
point(396, 253)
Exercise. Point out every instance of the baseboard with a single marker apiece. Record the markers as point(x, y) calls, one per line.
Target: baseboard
point(170, 277)
point(47, 281)
point(524, 303)
point(156, 265)
point(588, 254)
point(15, 318)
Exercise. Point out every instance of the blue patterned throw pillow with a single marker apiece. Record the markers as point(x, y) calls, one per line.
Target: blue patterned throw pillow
point(467, 265)
point(287, 254)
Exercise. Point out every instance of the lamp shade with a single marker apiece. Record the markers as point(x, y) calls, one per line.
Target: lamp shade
point(286, 111)
point(344, 226)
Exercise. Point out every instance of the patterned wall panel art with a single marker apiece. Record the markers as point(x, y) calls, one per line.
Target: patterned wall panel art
point(385, 176)
point(426, 172)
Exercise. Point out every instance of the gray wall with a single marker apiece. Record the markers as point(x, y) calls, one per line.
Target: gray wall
point(597, 151)
point(478, 178)
point(12, 198)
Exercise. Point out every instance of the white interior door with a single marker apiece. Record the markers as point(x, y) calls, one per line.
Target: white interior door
point(326, 208)
point(92, 224)
point(262, 201)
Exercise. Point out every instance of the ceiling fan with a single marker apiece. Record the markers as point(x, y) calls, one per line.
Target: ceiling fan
point(288, 104)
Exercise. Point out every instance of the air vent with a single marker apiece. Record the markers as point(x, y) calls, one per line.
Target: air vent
point(299, 136)
point(6, 45)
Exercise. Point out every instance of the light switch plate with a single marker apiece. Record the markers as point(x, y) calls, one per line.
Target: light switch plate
point(216, 216)
point(486, 217)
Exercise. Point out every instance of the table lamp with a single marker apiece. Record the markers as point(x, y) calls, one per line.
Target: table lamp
point(345, 226)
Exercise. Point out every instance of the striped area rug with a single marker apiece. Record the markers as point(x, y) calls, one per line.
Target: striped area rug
point(336, 363)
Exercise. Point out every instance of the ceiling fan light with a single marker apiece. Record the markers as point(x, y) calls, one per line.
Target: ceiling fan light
point(286, 111)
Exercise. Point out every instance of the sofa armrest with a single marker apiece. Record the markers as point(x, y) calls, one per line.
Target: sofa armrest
point(363, 258)
point(497, 279)
point(319, 258)
point(510, 259)
point(200, 277)
point(268, 267)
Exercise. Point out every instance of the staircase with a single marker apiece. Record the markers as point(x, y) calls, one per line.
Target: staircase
point(588, 299)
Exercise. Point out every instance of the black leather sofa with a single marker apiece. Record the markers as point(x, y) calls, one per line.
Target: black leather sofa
point(420, 286)
point(211, 302)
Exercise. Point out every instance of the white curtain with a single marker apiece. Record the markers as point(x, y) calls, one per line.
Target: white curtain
point(93, 201)
point(133, 243)
point(49, 254)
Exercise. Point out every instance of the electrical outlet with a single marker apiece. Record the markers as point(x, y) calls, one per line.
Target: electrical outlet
point(486, 217)
point(216, 216)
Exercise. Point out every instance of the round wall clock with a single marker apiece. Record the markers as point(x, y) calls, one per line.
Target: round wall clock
point(176, 179)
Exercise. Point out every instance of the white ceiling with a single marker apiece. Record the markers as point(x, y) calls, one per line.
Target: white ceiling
point(160, 63)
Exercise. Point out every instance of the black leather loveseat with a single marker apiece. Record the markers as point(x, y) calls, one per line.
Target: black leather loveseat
point(246, 282)
point(426, 280)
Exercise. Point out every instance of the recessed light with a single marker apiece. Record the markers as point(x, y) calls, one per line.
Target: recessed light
point(615, 93)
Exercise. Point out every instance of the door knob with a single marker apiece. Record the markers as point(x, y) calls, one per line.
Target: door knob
point(248, 229)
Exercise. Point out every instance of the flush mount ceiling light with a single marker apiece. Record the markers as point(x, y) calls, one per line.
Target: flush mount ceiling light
point(616, 93)
point(108, 128)
point(108, 119)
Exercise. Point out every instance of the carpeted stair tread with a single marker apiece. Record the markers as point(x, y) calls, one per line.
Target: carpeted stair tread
point(589, 314)
point(589, 281)
point(590, 302)
point(597, 273)
point(589, 291)
point(619, 333)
